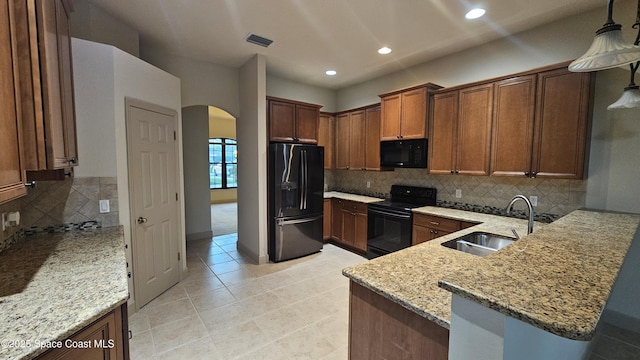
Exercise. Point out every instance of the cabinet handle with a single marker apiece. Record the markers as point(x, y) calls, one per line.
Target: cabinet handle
point(534, 174)
point(73, 160)
point(527, 174)
point(30, 184)
point(453, 171)
point(457, 171)
point(435, 232)
point(435, 223)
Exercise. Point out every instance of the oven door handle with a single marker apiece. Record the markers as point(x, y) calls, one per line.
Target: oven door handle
point(390, 214)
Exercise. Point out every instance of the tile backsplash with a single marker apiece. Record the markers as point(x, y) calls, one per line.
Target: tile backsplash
point(72, 201)
point(554, 196)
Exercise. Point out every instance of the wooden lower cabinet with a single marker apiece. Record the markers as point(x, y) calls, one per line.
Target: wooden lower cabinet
point(326, 219)
point(349, 224)
point(106, 338)
point(382, 329)
point(429, 227)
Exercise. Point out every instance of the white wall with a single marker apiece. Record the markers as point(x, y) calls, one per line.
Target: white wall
point(101, 115)
point(195, 132)
point(252, 159)
point(287, 89)
point(92, 23)
point(203, 83)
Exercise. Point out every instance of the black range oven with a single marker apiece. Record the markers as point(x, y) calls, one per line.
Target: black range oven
point(390, 222)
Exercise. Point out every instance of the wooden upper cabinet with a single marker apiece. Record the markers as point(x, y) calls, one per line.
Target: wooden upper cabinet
point(291, 121)
point(372, 139)
point(512, 138)
point(460, 139)
point(357, 140)
point(443, 132)
point(414, 114)
point(343, 126)
point(282, 121)
point(404, 113)
point(391, 113)
point(562, 120)
point(46, 83)
point(11, 164)
point(307, 124)
point(326, 138)
point(474, 130)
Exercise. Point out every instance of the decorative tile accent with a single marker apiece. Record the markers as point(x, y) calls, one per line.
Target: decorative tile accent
point(558, 197)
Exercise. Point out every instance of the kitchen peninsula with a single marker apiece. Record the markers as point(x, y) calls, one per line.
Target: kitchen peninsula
point(54, 287)
point(556, 280)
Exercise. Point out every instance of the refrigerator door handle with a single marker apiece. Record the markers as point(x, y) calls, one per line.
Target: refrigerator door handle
point(301, 181)
point(306, 179)
point(282, 222)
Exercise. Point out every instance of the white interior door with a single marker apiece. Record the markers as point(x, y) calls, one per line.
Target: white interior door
point(153, 196)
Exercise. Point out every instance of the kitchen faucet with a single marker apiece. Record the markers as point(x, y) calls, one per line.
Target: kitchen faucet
point(523, 198)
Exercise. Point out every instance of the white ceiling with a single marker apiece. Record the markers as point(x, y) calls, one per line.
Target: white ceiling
point(311, 36)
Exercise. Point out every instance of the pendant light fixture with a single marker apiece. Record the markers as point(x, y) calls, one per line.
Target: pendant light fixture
point(608, 50)
point(631, 95)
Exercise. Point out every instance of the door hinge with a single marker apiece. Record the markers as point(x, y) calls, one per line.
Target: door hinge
point(176, 196)
point(178, 256)
point(174, 136)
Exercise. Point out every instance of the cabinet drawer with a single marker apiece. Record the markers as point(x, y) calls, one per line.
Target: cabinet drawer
point(354, 206)
point(436, 222)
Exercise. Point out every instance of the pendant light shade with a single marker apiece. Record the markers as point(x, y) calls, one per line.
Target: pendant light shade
point(630, 99)
point(608, 50)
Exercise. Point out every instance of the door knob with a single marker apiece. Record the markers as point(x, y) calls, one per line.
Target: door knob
point(142, 220)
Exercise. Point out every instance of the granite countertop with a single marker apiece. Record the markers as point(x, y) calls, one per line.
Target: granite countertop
point(410, 277)
point(53, 285)
point(352, 197)
point(557, 278)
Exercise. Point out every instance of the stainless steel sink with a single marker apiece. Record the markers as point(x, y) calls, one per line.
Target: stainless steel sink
point(479, 243)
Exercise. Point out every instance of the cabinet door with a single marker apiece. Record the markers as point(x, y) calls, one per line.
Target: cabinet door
point(391, 112)
point(562, 113)
point(420, 234)
point(512, 139)
point(348, 226)
point(336, 219)
point(326, 136)
point(474, 130)
point(11, 171)
point(342, 141)
point(56, 75)
point(442, 138)
point(326, 218)
point(372, 139)
point(356, 140)
point(413, 121)
point(282, 121)
point(360, 232)
point(307, 124)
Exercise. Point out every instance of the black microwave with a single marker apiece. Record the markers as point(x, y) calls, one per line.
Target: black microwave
point(404, 153)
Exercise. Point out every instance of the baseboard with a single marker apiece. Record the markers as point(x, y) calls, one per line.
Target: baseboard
point(200, 235)
point(251, 255)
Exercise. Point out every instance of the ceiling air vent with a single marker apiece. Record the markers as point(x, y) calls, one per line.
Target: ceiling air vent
point(258, 40)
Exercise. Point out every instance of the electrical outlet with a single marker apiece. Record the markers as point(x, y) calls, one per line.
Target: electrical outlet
point(368, 184)
point(534, 200)
point(458, 193)
point(104, 206)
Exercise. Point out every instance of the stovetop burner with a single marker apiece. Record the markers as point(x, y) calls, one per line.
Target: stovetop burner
point(408, 197)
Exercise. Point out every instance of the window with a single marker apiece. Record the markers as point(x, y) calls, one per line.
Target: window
point(223, 163)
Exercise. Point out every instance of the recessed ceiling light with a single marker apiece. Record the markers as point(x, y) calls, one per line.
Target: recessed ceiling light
point(474, 13)
point(330, 72)
point(384, 50)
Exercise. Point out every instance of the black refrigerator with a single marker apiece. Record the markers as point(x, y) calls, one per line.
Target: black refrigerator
point(296, 186)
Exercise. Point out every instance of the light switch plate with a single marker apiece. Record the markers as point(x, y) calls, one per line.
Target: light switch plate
point(458, 193)
point(368, 184)
point(534, 200)
point(104, 206)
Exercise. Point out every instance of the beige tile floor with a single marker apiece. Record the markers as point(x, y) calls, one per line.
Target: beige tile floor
point(229, 308)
